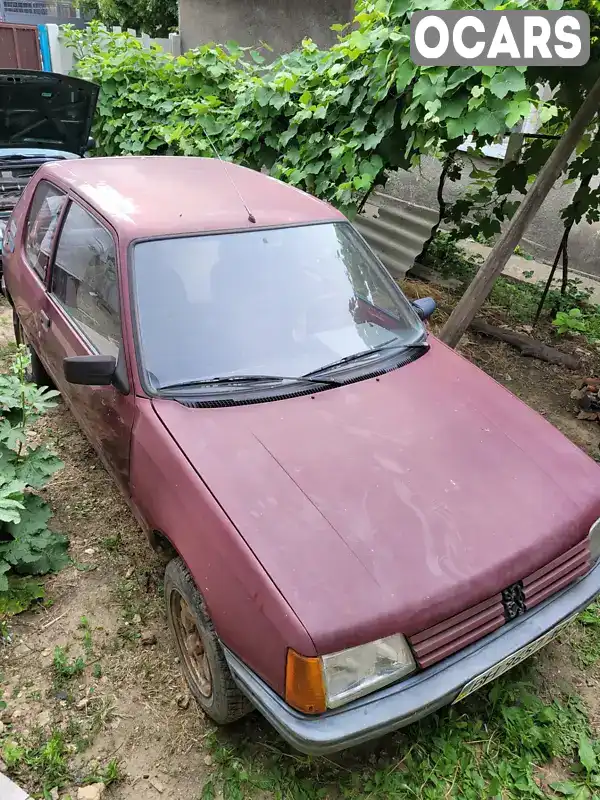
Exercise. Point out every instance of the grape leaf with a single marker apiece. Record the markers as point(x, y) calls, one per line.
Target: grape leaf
point(509, 80)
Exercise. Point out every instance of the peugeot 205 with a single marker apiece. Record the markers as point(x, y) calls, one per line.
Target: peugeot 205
point(363, 526)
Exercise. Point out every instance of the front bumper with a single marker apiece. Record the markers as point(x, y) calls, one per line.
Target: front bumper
point(413, 698)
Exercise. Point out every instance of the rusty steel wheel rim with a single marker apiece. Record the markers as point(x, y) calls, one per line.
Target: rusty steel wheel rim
point(191, 645)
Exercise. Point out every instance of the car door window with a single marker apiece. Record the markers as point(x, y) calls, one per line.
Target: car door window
point(84, 279)
point(45, 210)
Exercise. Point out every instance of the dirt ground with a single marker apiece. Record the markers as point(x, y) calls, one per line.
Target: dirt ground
point(130, 701)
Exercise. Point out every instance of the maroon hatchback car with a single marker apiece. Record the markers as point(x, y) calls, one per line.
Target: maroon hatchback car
point(364, 526)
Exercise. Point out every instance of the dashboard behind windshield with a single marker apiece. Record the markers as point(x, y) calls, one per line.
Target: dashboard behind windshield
point(280, 302)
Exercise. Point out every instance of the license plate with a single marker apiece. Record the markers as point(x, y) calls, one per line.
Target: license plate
point(511, 661)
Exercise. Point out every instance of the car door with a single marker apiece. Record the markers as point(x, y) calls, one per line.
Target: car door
point(28, 280)
point(84, 318)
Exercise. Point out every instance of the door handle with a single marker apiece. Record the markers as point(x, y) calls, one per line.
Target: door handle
point(45, 320)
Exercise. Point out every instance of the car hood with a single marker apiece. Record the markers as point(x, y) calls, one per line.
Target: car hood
point(45, 110)
point(396, 502)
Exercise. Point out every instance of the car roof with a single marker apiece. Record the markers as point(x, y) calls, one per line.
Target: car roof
point(146, 196)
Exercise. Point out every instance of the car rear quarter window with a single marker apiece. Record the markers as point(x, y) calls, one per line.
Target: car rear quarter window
point(84, 279)
point(44, 213)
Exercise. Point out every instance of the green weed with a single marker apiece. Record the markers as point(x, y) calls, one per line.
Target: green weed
point(63, 668)
point(571, 321)
point(587, 649)
point(88, 644)
point(44, 760)
point(571, 310)
point(490, 746)
point(110, 774)
point(111, 543)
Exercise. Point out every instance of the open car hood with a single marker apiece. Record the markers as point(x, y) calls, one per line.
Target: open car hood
point(45, 110)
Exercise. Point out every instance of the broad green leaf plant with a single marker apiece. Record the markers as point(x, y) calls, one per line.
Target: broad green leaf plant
point(490, 198)
point(27, 545)
point(330, 122)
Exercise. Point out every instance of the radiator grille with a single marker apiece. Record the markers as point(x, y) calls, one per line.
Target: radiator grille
point(447, 637)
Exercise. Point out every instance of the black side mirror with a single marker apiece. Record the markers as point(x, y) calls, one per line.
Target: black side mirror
point(424, 307)
point(91, 144)
point(90, 370)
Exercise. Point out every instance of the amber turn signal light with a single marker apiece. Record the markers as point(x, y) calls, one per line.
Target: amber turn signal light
point(304, 686)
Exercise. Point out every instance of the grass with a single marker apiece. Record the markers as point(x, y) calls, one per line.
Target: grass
point(45, 761)
point(88, 645)
point(588, 649)
point(64, 668)
point(494, 745)
point(516, 299)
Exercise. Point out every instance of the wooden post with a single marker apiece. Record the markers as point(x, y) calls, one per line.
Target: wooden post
point(482, 283)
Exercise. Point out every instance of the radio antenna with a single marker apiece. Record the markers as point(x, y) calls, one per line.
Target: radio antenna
point(251, 217)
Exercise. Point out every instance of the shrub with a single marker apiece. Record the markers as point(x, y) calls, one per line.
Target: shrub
point(27, 546)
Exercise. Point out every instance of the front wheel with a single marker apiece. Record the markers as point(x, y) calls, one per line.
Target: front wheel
point(37, 372)
point(200, 651)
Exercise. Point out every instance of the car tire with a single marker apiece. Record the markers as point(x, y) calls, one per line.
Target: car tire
point(201, 655)
point(37, 372)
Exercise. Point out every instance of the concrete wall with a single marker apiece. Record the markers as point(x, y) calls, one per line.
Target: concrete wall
point(541, 240)
point(282, 24)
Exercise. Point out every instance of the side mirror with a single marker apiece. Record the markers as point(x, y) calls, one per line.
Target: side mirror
point(90, 370)
point(91, 143)
point(424, 307)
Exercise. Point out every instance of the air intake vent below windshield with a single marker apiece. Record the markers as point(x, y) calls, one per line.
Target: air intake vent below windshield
point(244, 399)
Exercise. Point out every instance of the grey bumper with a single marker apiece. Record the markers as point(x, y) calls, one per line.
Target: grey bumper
point(421, 694)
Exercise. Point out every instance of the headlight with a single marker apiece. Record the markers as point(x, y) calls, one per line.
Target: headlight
point(360, 670)
point(314, 684)
point(594, 536)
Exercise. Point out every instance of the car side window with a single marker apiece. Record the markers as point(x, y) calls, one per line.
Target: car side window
point(46, 206)
point(84, 279)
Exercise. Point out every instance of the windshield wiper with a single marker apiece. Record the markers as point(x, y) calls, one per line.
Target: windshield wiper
point(221, 379)
point(390, 344)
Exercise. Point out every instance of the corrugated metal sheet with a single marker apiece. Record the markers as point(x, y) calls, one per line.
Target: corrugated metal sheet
point(19, 47)
point(395, 230)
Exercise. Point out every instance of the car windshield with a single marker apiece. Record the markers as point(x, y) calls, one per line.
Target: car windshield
point(287, 302)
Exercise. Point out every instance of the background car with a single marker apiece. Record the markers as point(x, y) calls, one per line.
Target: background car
point(45, 117)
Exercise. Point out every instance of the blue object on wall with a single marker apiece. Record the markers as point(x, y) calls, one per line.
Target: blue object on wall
point(45, 48)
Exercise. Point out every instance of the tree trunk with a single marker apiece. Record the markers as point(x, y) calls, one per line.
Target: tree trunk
point(482, 283)
point(448, 161)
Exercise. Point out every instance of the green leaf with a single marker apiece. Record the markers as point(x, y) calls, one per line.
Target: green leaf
point(488, 123)
point(458, 76)
point(516, 111)
point(587, 756)
point(508, 80)
point(33, 548)
point(256, 57)
point(4, 568)
point(548, 112)
point(36, 468)
point(399, 7)
point(554, 5)
point(18, 594)
point(453, 107)
point(233, 48)
point(404, 75)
